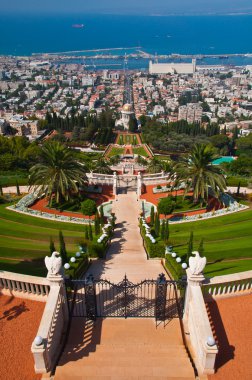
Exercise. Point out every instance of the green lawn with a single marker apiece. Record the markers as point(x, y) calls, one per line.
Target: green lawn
point(140, 151)
point(128, 139)
point(25, 240)
point(115, 151)
point(227, 239)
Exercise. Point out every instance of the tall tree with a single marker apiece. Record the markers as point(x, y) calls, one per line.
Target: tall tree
point(199, 174)
point(52, 246)
point(90, 232)
point(63, 252)
point(201, 247)
point(167, 230)
point(157, 225)
point(59, 172)
point(152, 216)
point(162, 234)
point(190, 246)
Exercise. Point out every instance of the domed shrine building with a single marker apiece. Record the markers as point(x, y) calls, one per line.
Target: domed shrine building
point(127, 113)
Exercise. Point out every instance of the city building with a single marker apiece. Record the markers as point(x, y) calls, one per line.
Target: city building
point(172, 68)
point(192, 113)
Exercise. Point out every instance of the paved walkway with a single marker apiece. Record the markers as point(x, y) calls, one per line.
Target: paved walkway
point(126, 254)
point(125, 349)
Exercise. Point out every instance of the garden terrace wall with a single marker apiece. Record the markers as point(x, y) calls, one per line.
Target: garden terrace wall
point(228, 285)
point(24, 286)
point(52, 329)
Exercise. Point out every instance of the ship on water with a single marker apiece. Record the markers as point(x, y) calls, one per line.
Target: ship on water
point(78, 26)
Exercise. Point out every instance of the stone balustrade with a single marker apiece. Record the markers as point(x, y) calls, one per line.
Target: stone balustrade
point(196, 323)
point(199, 329)
point(24, 286)
point(228, 285)
point(102, 179)
point(52, 329)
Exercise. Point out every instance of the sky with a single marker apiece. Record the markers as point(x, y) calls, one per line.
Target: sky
point(151, 7)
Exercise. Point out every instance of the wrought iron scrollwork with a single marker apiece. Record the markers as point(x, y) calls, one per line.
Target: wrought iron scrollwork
point(90, 297)
point(161, 294)
point(161, 299)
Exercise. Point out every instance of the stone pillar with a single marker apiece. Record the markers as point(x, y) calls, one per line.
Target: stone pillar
point(56, 314)
point(132, 170)
point(192, 280)
point(115, 184)
point(195, 319)
point(139, 185)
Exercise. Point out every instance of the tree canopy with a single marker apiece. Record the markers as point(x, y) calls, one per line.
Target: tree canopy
point(59, 173)
point(199, 174)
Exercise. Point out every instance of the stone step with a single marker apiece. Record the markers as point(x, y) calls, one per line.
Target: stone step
point(128, 347)
point(132, 360)
point(176, 370)
point(132, 378)
point(83, 377)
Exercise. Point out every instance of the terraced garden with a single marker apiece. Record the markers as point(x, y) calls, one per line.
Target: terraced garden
point(128, 138)
point(227, 242)
point(24, 241)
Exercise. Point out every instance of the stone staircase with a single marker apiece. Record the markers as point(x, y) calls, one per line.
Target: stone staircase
point(124, 349)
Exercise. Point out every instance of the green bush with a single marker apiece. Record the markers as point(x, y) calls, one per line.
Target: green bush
point(79, 267)
point(174, 268)
point(153, 250)
point(97, 250)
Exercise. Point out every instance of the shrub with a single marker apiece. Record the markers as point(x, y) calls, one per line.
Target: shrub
point(88, 207)
point(97, 250)
point(165, 206)
point(159, 187)
point(174, 268)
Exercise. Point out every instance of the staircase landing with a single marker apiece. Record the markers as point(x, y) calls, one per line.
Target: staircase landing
point(124, 349)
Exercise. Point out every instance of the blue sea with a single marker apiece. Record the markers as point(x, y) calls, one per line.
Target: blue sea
point(27, 34)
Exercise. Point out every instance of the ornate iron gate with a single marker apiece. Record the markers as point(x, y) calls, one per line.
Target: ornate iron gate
point(161, 299)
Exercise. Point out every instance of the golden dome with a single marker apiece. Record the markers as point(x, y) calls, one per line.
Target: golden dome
point(127, 108)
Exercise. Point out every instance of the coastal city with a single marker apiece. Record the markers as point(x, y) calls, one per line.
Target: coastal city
point(125, 190)
point(168, 92)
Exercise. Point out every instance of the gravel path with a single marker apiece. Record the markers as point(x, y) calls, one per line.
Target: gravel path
point(19, 321)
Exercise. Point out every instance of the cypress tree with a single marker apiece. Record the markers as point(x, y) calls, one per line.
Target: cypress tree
point(152, 216)
point(86, 233)
point(63, 252)
point(163, 230)
point(97, 224)
point(201, 247)
point(157, 225)
point(52, 246)
point(190, 246)
point(167, 231)
point(102, 216)
point(90, 232)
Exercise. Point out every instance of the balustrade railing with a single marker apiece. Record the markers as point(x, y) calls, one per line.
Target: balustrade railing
point(228, 285)
point(51, 331)
point(24, 286)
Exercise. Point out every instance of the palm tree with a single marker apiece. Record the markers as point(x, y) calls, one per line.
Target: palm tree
point(199, 174)
point(59, 173)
